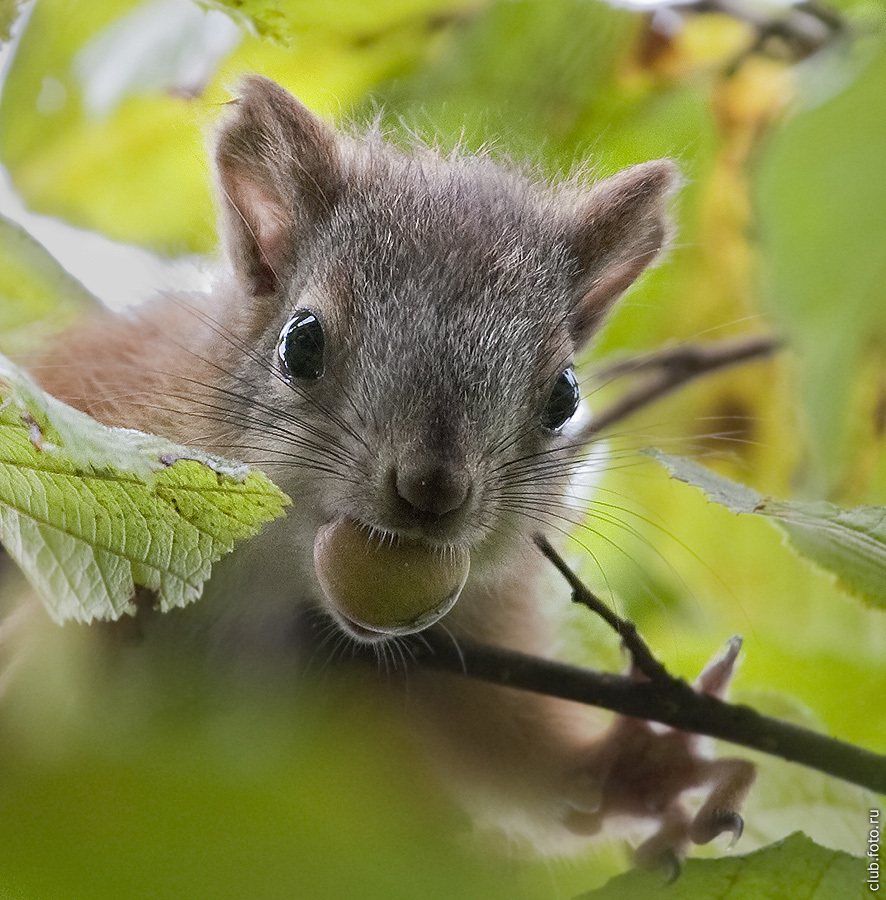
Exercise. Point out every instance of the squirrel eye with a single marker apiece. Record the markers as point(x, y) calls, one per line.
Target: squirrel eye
point(563, 401)
point(300, 348)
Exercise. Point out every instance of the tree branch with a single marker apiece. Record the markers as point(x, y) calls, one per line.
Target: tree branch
point(671, 369)
point(666, 699)
point(739, 724)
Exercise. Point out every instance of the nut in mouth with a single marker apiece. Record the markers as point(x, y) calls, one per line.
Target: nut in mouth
point(381, 587)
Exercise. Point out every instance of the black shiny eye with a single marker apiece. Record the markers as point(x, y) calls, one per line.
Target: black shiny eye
point(563, 402)
point(300, 347)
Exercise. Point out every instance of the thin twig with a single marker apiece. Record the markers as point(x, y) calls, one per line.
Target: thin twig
point(671, 369)
point(641, 656)
point(692, 358)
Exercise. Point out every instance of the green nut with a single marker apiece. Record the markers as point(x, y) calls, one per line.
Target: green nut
point(383, 584)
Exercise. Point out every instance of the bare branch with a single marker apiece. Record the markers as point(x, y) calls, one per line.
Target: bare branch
point(668, 700)
point(671, 369)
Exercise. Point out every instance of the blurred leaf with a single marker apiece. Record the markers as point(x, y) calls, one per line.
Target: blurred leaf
point(125, 173)
point(90, 512)
point(114, 140)
point(793, 869)
point(281, 20)
point(143, 781)
point(785, 794)
point(8, 13)
point(161, 45)
point(521, 76)
point(850, 543)
point(821, 193)
point(37, 296)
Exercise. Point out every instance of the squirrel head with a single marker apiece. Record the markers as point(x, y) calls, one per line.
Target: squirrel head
point(415, 317)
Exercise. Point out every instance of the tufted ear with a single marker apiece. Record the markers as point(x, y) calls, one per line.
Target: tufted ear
point(620, 226)
point(278, 174)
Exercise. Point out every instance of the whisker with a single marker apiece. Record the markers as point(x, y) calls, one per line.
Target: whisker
point(268, 366)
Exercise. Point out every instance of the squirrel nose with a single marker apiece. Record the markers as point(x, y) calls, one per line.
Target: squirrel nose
point(432, 491)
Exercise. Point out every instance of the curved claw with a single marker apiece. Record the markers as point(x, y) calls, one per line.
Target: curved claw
point(718, 822)
point(736, 826)
point(716, 675)
point(665, 850)
point(665, 861)
point(670, 863)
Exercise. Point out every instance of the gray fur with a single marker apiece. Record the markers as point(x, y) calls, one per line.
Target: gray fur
point(453, 292)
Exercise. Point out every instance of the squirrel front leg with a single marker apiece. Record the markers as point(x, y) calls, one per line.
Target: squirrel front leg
point(554, 772)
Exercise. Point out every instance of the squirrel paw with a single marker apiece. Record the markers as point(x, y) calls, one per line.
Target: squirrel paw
point(641, 770)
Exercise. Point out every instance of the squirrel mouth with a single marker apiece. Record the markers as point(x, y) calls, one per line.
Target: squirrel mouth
point(380, 586)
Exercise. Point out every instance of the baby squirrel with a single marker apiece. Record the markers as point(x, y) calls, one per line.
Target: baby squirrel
point(395, 348)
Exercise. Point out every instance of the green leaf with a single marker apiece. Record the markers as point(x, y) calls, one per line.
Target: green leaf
point(849, 543)
point(244, 788)
point(91, 513)
point(821, 193)
point(541, 67)
point(67, 160)
point(37, 296)
point(793, 869)
point(160, 45)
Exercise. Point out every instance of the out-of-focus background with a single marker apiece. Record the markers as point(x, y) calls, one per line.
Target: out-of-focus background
point(169, 784)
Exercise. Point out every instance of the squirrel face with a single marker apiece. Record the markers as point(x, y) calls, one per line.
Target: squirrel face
point(444, 339)
point(415, 318)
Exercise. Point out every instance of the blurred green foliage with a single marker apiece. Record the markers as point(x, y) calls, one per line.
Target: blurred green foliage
point(161, 782)
point(39, 296)
point(822, 195)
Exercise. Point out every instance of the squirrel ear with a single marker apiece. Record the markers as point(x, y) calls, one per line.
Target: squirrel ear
point(621, 226)
point(278, 173)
